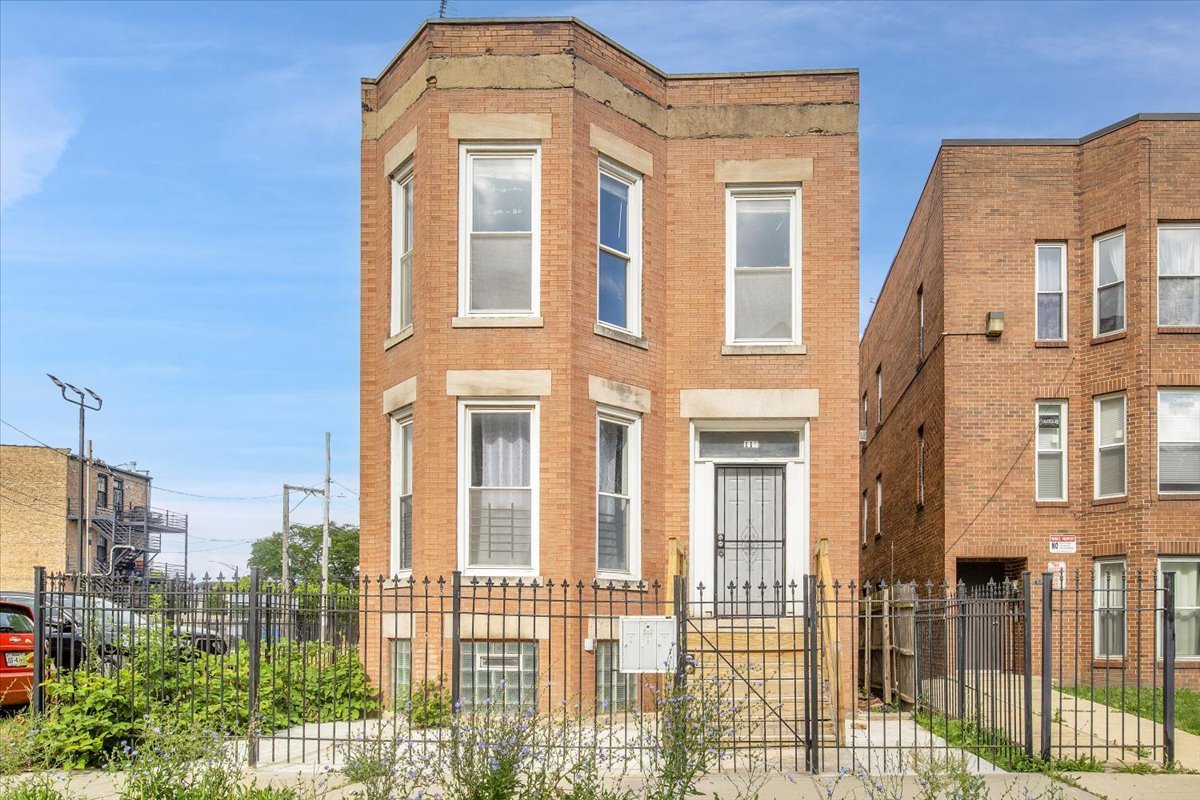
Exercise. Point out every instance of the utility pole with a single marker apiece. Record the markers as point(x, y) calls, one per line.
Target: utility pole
point(285, 558)
point(325, 548)
point(82, 402)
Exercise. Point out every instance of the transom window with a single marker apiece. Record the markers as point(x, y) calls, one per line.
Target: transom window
point(618, 265)
point(1110, 283)
point(499, 485)
point(1051, 467)
point(749, 444)
point(617, 495)
point(1051, 292)
point(1179, 274)
point(1187, 604)
point(402, 471)
point(402, 249)
point(1179, 440)
point(763, 265)
point(500, 210)
point(1110, 445)
point(1108, 593)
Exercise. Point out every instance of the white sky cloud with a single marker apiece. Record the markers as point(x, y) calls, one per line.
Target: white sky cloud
point(37, 122)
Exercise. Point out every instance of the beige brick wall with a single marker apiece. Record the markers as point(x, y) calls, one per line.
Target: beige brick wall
point(33, 513)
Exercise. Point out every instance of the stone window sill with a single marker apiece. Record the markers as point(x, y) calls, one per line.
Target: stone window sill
point(625, 337)
point(1192, 329)
point(1109, 337)
point(1193, 496)
point(1108, 501)
point(1050, 344)
point(497, 322)
point(392, 341)
point(622, 583)
point(763, 350)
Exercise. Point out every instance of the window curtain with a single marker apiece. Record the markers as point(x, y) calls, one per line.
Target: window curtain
point(1179, 270)
point(1179, 441)
point(501, 451)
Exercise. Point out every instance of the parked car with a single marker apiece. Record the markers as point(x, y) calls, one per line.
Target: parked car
point(16, 654)
point(79, 625)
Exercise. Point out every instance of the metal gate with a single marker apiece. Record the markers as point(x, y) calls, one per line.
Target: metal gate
point(750, 533)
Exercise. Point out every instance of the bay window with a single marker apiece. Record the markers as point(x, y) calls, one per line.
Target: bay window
point(1179, 275)
point(1179, 440)
point(763, 266)
point(498, 487)
point(1110, 283)
point(618, 264)
point(617, 495)
point(1109, 420)
point(500, 209)
point(402, 472)
point(402, 250)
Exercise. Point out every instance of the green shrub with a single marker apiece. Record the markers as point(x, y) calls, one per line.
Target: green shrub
point(429, 705)
point(89, 716)
point(37, 787)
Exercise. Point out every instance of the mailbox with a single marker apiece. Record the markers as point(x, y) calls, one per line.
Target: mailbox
point(648, 644)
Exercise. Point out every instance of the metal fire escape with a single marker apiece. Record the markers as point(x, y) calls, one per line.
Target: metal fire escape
point(126, 540)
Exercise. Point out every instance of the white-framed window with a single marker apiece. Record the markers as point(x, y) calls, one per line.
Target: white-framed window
point(921, 466)
point(1109, 419)
point(879, 504)
point(1110, 283)
point(1108, 593)
point(1187, 604)
point(615, 690)
point(762, 289)
point(1179, 274)
point(879, 395)
point(1051, 291)
point(401, 672)
point(1179, 440)
point(1050, 468)
point(619, 248)
point(498, 487)
point(500, 236)
point(921, 323)
point(618, 494)
point(498, 675)
point(864, 411)
point(402, 477)
point(402, 249)
point(865, 514)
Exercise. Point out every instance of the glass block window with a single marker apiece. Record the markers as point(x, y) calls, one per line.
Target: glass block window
point(615, 690)
point(401, 670)
point(499, 675)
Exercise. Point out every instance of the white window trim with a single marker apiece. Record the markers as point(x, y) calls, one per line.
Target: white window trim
point(1097, 586)
point(634, 454)
point(465, 407)
point(879, 505)
point(465, 206)
point(400, 232)
point(1158, 444)
point(732, 195)
point(1038, 291)
point(921, 322)
point(1096, 287)
point(921, 466)
point(633, 279)
point(1159, 276)
point(1096, 447)
point(1062, 450)
point(1158, 623)
point(397, 423)
point(866, 507)
point(879, 395)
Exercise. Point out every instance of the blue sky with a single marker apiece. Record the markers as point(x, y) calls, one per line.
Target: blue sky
point(179, 195)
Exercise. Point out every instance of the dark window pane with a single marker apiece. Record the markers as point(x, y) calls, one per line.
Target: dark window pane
point(1112, 308)
point(1049, 322)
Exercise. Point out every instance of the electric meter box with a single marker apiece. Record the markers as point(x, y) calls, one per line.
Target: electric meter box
point(648, 644)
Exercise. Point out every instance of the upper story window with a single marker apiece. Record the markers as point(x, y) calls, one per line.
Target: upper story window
point(921, 467)
point(1051, 465)
point(1179, 275)
point(879, 395)
point(1051, 292)
point(879, 504)
point(617, 489)
point(1110, 445)
point(402, 475)
point(102, 491)
point(1110, 283)
point(1179, 440)
point(402, 249)
point(762, 302)
point(865, 509)
point(864, 411)
point(920, 323)
point(500, 213)
point(498, 486)
point(619, 245)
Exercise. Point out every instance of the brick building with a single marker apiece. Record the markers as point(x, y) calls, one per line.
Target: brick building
point(602, 308)
point(1068, 441)
point(39, 517)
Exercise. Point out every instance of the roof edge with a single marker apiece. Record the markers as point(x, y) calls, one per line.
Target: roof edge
point(608, 40)
point(1186, 116)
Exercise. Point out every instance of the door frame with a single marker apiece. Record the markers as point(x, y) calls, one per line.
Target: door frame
point(702, 503)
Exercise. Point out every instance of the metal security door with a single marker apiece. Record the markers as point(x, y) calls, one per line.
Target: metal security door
point(750, 534)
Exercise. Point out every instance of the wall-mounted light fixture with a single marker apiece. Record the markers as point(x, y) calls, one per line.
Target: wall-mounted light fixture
point(995, 324)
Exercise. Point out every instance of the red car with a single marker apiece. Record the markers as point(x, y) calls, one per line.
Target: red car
point(16, 654)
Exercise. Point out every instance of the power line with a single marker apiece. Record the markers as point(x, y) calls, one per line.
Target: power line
point(29, 436)
point(158, 488)
point(344, 486)
point(32, 508)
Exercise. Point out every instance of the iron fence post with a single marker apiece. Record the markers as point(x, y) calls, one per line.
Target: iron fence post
point(1027, 610)
point(37, 701)
point(255, 641)
point(960, 650)
point(811, 701)
point(456, 639)
point(1168, 643)
point(1047, 660)
point(680, 632)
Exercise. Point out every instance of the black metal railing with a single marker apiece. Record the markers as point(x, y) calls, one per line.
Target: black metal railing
point(805, 676)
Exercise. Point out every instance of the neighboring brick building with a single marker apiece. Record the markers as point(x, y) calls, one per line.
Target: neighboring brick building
point(1082, 420)
point(39, 516)
point(521, 371)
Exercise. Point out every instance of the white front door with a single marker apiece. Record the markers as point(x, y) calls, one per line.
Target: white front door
point(748, 548)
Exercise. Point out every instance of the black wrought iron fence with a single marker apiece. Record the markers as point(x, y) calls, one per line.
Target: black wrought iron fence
point(805, 676)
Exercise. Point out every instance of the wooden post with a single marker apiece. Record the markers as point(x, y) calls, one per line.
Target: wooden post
point(887, 646)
